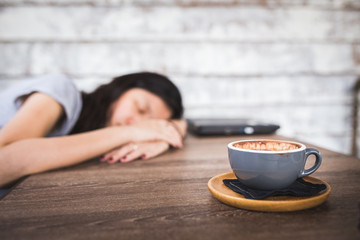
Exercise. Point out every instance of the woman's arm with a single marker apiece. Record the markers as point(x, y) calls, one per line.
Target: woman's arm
point(36, 155)
point(24, 150)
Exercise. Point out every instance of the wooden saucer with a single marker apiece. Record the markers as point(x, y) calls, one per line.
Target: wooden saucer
point(270, 204)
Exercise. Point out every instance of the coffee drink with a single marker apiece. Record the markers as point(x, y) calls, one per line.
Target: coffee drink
point(270, 164)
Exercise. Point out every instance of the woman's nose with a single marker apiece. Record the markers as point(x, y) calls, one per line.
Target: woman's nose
point(134, 119)
point(129, 121)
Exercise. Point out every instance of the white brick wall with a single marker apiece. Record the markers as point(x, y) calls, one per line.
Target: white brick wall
point(289, 61)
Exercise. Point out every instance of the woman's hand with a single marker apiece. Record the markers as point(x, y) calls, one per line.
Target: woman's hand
point(148, 138)
point(132, 151)
point(154, 130)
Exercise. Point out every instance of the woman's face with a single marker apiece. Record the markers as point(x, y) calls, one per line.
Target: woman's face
point(135, 105)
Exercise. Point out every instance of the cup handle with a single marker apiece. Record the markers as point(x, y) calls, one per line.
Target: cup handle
point(318, 159)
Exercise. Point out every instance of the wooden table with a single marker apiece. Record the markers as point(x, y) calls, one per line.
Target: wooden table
point(168, 198)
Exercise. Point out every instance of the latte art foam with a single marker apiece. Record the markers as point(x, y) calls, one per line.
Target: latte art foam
point(266, 145)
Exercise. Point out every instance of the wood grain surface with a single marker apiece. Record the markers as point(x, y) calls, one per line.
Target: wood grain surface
point(168, 198)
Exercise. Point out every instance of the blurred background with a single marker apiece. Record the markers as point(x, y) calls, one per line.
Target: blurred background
point(292, 62)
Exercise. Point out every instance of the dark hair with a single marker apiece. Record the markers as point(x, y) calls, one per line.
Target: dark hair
point(95, 110)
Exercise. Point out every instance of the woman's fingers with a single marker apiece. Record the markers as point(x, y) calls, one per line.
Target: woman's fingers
point(119, 154)
point(156, 149)
point(175, 134)
point(133, 151)
point(133, 155)
point(170, 134)
point(147, 150)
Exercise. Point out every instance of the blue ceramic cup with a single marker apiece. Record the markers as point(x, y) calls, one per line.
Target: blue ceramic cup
point(270, 164)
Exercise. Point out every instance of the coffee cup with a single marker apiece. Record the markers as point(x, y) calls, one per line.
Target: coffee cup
point(270, 164)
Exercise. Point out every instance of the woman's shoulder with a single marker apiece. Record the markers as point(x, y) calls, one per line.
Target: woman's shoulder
point(61, 88)
point(58, 86)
